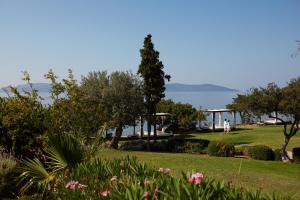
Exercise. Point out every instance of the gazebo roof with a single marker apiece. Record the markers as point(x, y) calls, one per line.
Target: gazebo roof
point(218, 110)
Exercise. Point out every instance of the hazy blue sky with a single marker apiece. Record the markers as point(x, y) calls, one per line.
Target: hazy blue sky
point(238, 44)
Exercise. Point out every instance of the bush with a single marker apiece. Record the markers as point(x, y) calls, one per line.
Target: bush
point(296, 154)
point(261, 152)
point(187, 146)
point(134, 145)
point(161, 146)
point(277, 155)
point(221, 149)
point(239, 151)
point(7, 175)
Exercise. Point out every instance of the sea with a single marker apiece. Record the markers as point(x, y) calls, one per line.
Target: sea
point(200, 100)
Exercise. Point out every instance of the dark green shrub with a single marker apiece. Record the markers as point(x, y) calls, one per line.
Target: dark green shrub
point(296, 154)
point(277, 154)
point(134, 145)
point(261, 152)
point(187, 146)
point(193, 147)
point(221, 149)
point(160, 146)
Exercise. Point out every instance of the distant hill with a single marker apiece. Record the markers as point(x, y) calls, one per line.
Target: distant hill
point(178, 87)
point(41, 87)
point(172, 87)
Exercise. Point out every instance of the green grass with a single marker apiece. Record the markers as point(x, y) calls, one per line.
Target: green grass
point(271, 136)
point(270, 176)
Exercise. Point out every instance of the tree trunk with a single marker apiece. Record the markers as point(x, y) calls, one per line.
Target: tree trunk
point(154, 126)
point(283, 153)
point(149, 132)
point(115, 140)
point(142, 127)
point(134, 128)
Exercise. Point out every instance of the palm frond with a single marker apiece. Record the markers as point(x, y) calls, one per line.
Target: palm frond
point(34, 174)
point(97, 143)
point(65, 151)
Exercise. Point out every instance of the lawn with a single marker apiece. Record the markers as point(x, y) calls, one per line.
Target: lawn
point(270, 176)
point(271, 136)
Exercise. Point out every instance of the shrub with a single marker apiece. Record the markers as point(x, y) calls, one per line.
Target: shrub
point(239, 151)
point(161, 146)
point(221, 149)
point(296, 154)
point(261, 152)
point(187, 146)
point(7, 175)
point(277, 154)
point(134, 145)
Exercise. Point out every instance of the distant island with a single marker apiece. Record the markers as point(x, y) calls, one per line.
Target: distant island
point(178, 87)
point(41, 87)
point(171, 87)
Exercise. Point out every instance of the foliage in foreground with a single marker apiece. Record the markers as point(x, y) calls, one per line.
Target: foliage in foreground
point(127, 178)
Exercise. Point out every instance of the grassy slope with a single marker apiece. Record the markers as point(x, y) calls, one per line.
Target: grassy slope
point(271, 136)
point(270, 176)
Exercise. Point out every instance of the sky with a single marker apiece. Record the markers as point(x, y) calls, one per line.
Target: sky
point(233, 43)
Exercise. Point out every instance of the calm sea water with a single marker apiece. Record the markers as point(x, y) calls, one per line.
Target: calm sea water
point(203, 100)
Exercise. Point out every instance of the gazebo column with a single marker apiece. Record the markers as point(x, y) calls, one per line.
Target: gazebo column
point(234, 118)
point(220, 119)
point(213, 121)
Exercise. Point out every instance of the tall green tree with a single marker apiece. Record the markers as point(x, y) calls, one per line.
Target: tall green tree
point(151, 70)
point(116, 99)
point(290, 105)
point(272, 96)
point(241, 104)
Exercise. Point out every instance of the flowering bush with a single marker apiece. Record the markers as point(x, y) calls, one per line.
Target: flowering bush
point(129, 179)
point(196, 178)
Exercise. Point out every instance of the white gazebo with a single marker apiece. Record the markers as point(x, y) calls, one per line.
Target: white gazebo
point(220, 111)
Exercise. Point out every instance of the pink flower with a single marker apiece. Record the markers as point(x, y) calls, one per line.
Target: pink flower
point(147, 195)
point(196, 178)
point(72, 185)
point(191, 180)
point(156, 191)
point(81, 186)
point(114, 178)
point(105, 193)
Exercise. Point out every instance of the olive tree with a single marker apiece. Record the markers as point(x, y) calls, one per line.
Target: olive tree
point(116, 96)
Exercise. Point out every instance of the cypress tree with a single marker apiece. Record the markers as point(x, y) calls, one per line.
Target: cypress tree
point(151, 70)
